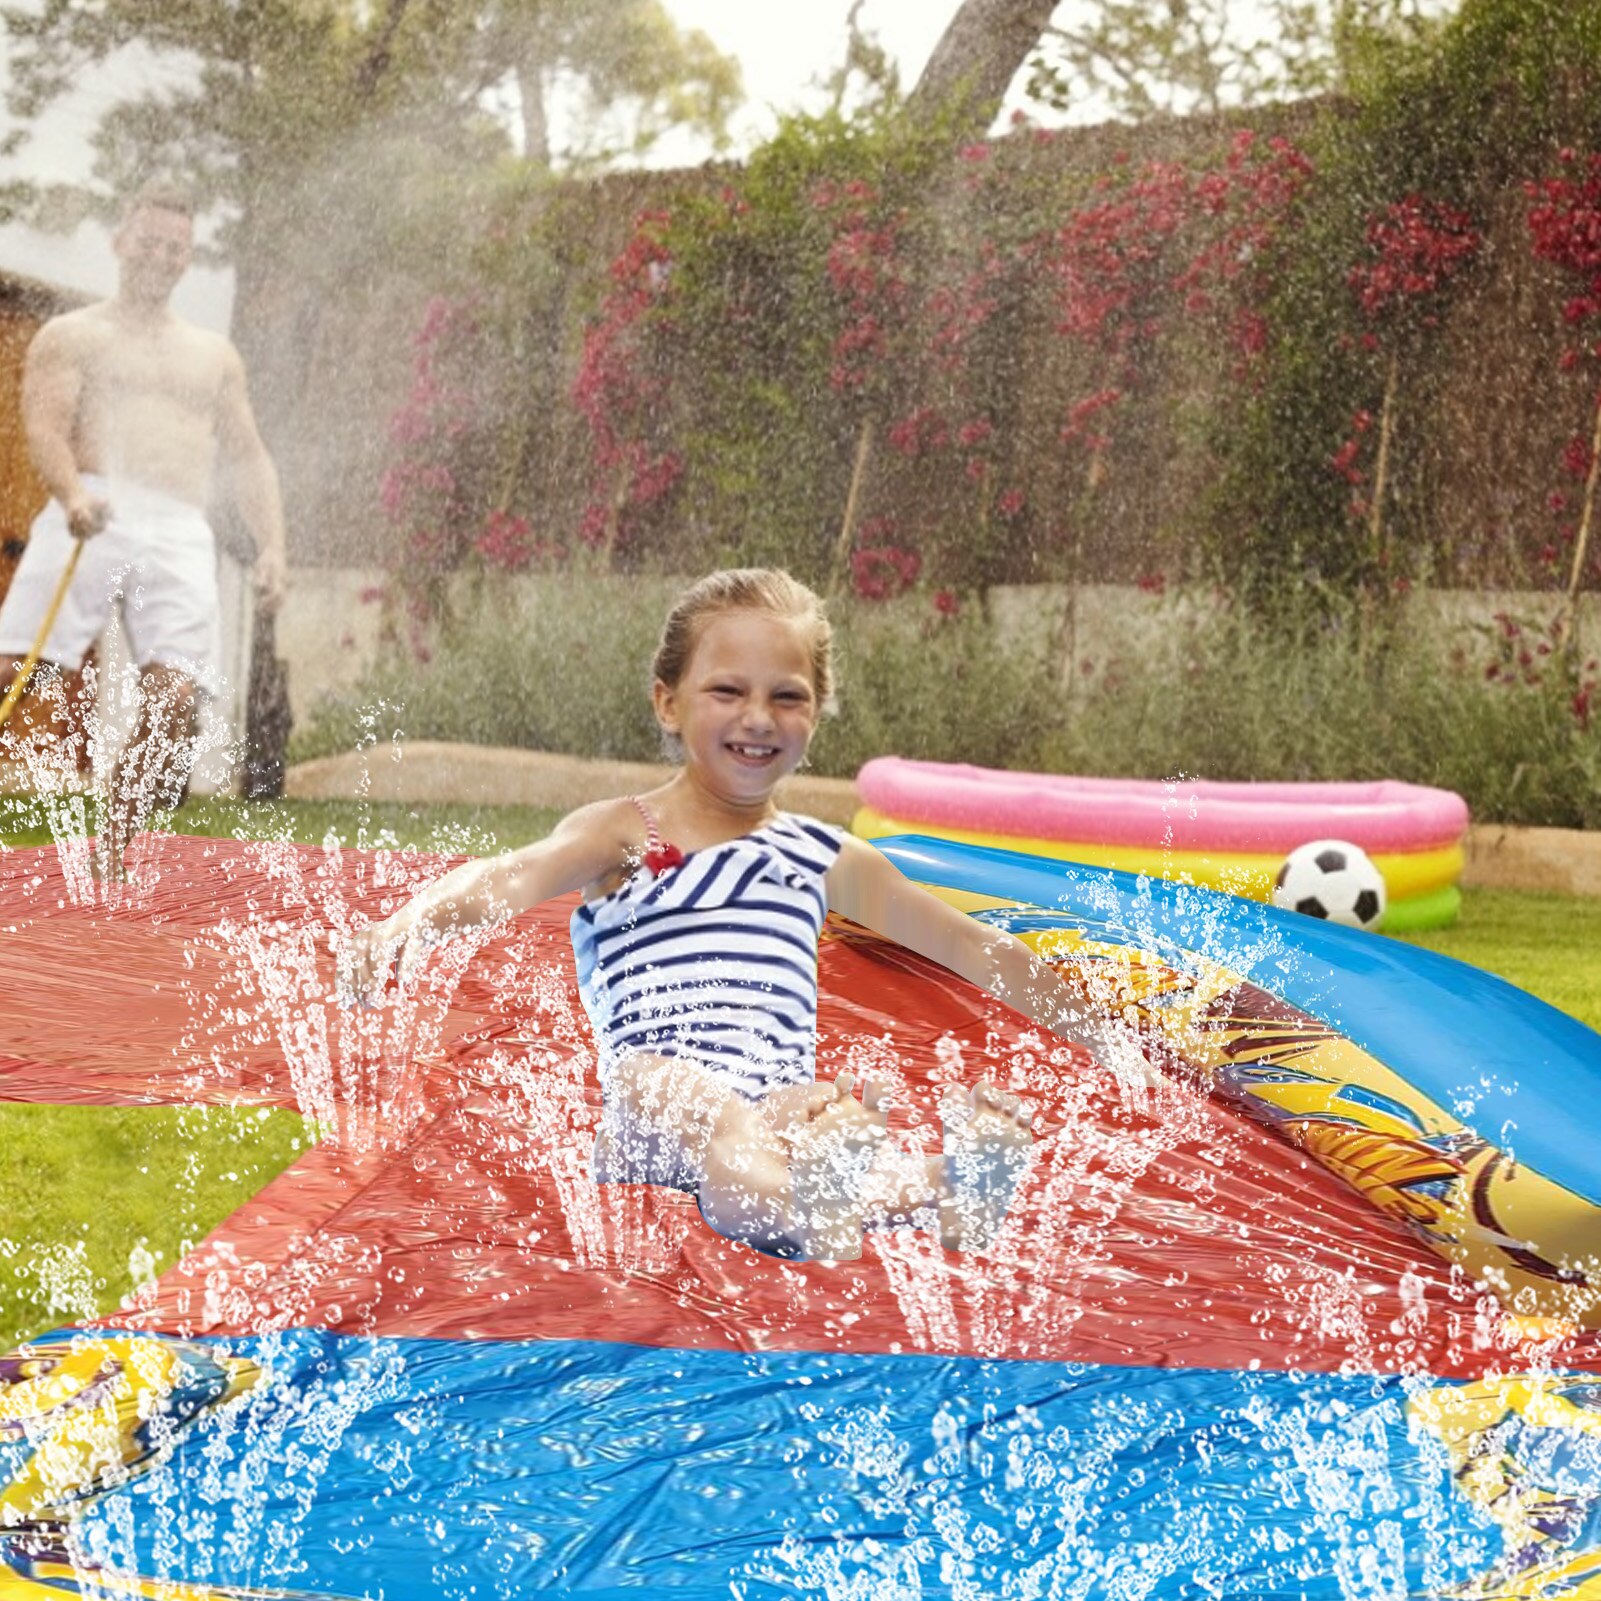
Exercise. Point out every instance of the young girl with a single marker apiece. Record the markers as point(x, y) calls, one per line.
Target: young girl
point(696, 949)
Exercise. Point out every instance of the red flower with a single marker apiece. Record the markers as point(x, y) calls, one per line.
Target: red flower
point(947, 603)
point(886, 571)
point(506, 543)
point(1416, 246)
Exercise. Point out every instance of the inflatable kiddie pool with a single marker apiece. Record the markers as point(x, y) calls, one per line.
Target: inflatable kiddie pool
point(1223, 836)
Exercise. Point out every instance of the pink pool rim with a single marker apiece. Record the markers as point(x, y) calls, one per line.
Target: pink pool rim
point(1186, 814)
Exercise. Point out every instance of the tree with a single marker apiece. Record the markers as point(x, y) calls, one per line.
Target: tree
point(868, 78)
point(981, 51)
point(630, 71)
point(1140, 58)
point(277, 87)
point(340, 138)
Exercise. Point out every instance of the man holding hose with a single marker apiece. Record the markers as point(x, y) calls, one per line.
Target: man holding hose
point(129, 410)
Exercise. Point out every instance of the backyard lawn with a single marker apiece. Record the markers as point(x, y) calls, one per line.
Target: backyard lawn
point(98, 1199)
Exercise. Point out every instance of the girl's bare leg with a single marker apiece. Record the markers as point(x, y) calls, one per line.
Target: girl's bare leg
point(987, 1146)
point(791, 1191)
point(966, 1191)
point(830, 1153)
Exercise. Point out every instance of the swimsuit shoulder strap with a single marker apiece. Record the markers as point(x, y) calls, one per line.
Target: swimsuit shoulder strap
point(653, 836)
point(658, 855)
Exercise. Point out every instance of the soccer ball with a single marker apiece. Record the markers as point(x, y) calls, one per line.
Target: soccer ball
point(1334, 879)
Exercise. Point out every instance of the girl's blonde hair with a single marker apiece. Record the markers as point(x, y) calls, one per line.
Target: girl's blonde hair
point(768, 589)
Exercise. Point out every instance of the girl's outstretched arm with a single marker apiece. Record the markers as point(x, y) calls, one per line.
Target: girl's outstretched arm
point(865, 886)
point(585, 846)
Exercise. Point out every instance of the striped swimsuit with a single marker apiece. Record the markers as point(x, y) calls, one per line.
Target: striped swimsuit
point(715, 958)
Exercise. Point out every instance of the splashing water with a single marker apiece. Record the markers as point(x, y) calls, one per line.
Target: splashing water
point(80, 804)
point(987, 1475)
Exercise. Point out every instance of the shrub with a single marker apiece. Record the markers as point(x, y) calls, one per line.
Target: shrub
point(1316, 688)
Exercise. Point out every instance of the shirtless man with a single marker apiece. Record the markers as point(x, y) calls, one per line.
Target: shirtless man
point(128, 410)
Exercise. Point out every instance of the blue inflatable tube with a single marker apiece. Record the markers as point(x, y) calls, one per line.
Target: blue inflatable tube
point(1468, 1066)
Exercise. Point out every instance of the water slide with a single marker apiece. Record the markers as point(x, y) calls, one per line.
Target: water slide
point(431, 1359)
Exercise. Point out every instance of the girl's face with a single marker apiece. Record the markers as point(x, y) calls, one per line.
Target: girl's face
point(746, 707)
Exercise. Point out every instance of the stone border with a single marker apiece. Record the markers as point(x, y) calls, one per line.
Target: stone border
point(1565, 861)
point(432, 773)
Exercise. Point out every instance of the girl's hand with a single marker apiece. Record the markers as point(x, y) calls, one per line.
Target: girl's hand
point(374, 956)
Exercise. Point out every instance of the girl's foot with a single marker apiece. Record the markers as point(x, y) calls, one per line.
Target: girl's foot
point(833, 1138)
point(790, 1108)
point(987, 1146)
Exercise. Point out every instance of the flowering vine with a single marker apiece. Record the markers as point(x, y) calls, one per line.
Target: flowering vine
point(1415, 248)
point(1118, 285)
point(1564, 221)
point(421, 493)
point(617, 393)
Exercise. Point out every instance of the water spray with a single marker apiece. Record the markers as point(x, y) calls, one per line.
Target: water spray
point(25, 672)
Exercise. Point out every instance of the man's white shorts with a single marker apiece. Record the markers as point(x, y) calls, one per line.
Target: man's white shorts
point(155, 560)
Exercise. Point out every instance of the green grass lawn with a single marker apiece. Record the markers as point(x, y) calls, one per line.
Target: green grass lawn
point(97, 1198)
point(1549, 945)
point(378, 825)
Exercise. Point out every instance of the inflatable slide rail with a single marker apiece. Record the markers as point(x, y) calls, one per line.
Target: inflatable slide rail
point(1364, 1053)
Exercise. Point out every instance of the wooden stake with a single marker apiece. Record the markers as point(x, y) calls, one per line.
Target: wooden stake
point(608, 551)
point(1382, 470)
point(1570, 602)
point(847, 527)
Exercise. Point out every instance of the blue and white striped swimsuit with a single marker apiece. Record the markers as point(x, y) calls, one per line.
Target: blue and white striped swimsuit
point(714, 959)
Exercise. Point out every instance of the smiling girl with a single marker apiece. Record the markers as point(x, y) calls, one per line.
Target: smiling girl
point(695, 941)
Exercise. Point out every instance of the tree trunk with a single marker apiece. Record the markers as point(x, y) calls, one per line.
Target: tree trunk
point(1581, 545)
point(975, 62)
point(536, 123)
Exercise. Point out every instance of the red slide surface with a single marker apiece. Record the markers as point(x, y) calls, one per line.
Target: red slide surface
point(457, 1202)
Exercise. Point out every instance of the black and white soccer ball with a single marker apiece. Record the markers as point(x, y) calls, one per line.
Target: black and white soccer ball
point(1333, 879)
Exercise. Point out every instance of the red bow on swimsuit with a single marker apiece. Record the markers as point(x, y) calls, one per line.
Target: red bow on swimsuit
point(663, 855)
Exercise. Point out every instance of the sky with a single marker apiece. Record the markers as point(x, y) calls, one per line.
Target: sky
point(783, 48)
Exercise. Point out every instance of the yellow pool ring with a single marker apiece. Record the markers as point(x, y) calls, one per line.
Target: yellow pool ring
point(1407, 874)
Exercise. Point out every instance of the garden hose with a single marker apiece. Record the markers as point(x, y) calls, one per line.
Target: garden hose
point(25, 672)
